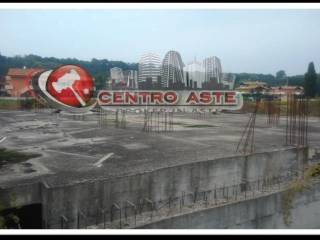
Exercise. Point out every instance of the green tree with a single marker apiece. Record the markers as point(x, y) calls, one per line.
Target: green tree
point(100, 81)
point(281, 75)
point(297, 80)
point(310, 81)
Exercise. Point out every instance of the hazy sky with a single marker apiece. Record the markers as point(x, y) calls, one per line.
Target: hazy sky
point(263, 41)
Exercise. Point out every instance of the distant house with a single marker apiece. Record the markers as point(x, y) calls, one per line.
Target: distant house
point(18, 81)
point(284, 90)
point(251, 87)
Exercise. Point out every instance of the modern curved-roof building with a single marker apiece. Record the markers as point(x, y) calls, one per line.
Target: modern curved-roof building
point(149, 67)
point(172, 70)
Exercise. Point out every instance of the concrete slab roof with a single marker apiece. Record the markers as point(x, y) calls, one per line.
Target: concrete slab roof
point(79, 150)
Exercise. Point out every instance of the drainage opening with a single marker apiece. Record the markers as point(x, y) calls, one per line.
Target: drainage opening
point(26, 217)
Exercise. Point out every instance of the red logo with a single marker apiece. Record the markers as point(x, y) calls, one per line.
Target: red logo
point(71, 85)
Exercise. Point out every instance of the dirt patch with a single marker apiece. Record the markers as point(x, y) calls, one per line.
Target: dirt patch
point(12, 156)
point(199, 126)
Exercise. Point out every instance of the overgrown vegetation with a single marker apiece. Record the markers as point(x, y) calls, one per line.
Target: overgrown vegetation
point(12, 156)
point(296, 187)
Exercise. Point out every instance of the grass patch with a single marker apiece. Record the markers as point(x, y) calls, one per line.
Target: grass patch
point(16, 104)
point(9, 104)
point(12, 156)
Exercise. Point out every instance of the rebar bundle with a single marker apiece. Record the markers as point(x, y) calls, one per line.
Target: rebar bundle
point(121, 123)
point(102, 118)
point(246, 143)
point(199, 114)
point(39, 105)
point(297, 120)
point(78, 117)
point(272, 110)
point(158, 121)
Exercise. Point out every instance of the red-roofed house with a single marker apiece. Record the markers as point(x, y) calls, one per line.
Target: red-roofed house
point(17, 81)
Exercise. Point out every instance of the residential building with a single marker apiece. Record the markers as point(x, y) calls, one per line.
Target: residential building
point(194, 73)
point(213, 70)
point(131, 79)
point(172, 76)
point(18, 81)
point(149, 70)
point(249, 87)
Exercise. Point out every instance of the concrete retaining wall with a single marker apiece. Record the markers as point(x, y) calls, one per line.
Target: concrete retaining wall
point(21, 195)
point(262, 213)
point(164, 183)
point(160, 184)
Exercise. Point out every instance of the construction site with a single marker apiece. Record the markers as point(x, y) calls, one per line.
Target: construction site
point(159, 169)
